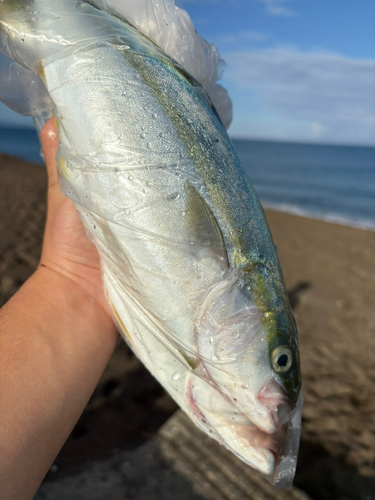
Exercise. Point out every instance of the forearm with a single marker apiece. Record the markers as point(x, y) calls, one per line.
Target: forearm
point(51, 358)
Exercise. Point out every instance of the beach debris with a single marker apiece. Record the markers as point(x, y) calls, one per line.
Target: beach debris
point(188, 262)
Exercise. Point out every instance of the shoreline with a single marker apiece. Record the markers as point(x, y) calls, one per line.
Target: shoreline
point(330, 218)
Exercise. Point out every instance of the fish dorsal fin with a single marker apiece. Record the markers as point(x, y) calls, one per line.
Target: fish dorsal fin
point(202, 225)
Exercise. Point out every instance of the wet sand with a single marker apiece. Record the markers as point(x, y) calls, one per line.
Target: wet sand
point(330, 275)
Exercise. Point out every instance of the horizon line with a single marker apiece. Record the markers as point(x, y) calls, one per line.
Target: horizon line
point(253, 139)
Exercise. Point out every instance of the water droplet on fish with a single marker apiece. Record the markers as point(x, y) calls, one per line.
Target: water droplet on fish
point(142, 136)
point(175, 376)
point(173, 197)
point(183, 213)
point(292, 470)
point(214, 358)
point(154, 115)
point(206, 242)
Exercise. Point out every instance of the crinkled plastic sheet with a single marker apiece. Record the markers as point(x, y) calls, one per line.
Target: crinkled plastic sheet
point(144, 201)
point(168, 26)
point(172, 30)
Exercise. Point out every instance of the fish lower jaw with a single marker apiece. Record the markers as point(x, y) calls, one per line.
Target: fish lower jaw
point(261, 459)
point(215, 414)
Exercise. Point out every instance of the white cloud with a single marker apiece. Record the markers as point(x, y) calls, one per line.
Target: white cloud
point(277, 7)
point(332, 93)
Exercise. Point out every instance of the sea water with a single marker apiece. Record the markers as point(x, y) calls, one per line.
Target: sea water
point(21, 143)
point(335, 183)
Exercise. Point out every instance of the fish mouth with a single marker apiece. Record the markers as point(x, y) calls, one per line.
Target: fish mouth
point(270, 448)
point(280, 446)
point(277, 404)
point(284, 431)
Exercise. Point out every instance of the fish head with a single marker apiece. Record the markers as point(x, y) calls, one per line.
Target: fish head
point(249, 353)
point(279, 328)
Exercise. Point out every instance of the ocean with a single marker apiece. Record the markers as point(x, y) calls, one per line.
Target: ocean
point(334, 183)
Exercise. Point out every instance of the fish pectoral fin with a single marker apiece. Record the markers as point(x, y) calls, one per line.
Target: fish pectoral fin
point(202, 226)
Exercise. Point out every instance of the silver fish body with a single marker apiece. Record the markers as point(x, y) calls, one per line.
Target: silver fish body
point(188, 261)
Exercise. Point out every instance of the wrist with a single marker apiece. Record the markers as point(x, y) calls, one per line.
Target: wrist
point(73, 298)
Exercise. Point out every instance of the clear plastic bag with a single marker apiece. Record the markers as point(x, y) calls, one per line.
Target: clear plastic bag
point(188, 263)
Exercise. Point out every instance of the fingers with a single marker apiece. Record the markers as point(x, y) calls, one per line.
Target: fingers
point(50, 144)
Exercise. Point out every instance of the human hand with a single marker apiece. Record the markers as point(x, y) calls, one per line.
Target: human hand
point(56, 337)
point(66, 248)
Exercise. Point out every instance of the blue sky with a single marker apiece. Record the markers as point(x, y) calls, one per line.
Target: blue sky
point(297, 70)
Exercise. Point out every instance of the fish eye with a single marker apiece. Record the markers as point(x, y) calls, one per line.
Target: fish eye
point(281, 359)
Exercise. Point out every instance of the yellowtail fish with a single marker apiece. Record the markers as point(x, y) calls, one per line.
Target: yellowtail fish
point(188, 261)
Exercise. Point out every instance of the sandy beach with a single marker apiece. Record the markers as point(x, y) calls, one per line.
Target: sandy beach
point(330, 275)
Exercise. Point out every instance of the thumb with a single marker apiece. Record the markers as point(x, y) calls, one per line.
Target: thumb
point(50, 144)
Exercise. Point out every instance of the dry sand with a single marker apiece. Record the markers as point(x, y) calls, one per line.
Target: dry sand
point(330, 275)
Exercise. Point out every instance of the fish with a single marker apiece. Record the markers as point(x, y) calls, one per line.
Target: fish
point(188, 262)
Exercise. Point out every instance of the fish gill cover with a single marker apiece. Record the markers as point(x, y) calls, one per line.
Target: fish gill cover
point(188, 262)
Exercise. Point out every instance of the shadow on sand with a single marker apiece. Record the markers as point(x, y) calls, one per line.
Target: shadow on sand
point(294, 293)
point(327, 477)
